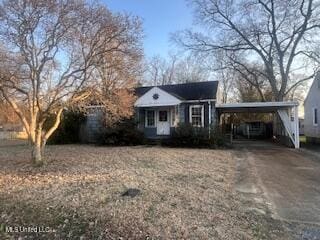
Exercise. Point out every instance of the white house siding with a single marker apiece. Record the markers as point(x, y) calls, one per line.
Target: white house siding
point(312, 101)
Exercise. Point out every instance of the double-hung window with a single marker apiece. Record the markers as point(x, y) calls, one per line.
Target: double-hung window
point(315, 117)
point(196, 115)
point(150, 118)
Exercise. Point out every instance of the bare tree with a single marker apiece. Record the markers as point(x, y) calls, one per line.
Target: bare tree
point(227, 80)
point(226, 76)
point(192, 68)
point(175, 69)
point(278, 34)
point(160, 71)
point(50, 54)
point(117, 75)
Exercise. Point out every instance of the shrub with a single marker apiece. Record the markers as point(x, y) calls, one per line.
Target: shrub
point(123, 133)
point(185, 135)
point(69, 128)
point(217, 138)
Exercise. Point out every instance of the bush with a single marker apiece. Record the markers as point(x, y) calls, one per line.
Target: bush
point(125, 133)
point(217, 138)
point(185, 135)
point(69, 128)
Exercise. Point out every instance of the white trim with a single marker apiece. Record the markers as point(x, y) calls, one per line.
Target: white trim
point(257, 104)
point(202, 113)
point(200, 100)
point(178, 115)
point(314, 116)
point(291, 129)
point(210, 120)
point(209, 111)
point(296, 127)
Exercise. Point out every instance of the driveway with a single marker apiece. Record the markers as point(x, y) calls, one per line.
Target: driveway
point(288, 179)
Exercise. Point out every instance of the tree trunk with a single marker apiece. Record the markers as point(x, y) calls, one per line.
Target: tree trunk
point(36, 154)
point(279, 97)
point(37, 148)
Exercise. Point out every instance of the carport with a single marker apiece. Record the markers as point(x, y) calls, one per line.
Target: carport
point(287, 112)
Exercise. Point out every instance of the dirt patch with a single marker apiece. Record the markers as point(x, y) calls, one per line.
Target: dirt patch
point(186, 194)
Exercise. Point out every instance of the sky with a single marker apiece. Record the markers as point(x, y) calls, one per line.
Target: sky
point(160, 18)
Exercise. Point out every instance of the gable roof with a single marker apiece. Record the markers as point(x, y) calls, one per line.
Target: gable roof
point(186, 91)
point(164, 99)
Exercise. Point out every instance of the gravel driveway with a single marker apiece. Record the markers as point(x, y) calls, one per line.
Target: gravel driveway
point(288, 180)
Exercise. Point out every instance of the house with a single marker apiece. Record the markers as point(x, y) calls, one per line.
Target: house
point(159, 109)
point(10, 126)
point(311, 112)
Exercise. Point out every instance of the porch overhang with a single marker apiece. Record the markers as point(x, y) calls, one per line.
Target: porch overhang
point(283, 109)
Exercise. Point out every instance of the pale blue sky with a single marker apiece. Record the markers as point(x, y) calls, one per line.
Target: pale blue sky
point(160, 18)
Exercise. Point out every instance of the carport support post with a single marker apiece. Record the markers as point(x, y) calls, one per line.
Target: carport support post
point(231, 134)
point(296, 127)
point(209, 130)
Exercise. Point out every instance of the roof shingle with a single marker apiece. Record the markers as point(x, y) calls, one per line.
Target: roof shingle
point(186, 91)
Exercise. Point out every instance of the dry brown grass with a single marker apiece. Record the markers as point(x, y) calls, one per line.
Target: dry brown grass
point(186, 194)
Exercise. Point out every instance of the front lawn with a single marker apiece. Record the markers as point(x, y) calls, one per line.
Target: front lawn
point(185, 194)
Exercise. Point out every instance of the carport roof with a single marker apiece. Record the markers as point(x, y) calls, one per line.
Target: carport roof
point(264, 107)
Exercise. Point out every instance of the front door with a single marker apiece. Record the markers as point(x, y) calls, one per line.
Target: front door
point(163, 124)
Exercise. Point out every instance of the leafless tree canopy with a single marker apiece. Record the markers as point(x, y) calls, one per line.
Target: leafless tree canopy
point(175, 69)
point(278, 36)
point(57, 53)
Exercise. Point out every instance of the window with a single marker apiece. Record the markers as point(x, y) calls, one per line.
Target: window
point(315, 116)
point(150, 118)
point(163, 116)
point(196, 115)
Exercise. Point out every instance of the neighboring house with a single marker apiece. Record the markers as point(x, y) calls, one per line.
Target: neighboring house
point(312, 112)
point(12, 131)
point(159, 109)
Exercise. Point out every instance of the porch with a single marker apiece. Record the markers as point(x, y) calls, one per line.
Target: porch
point(161, 121)
point(157, 122)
